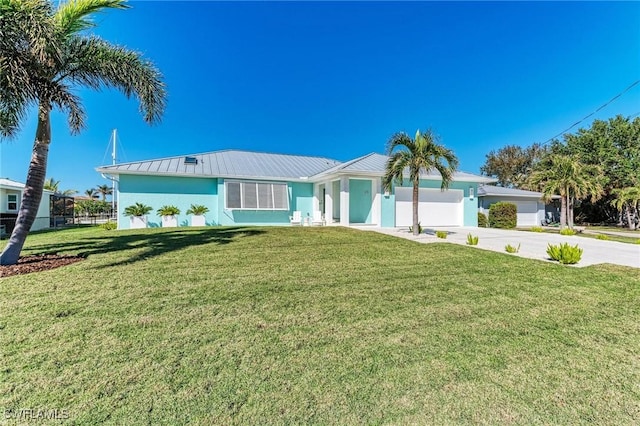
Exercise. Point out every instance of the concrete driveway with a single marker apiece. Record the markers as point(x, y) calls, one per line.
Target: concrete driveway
point(533, 245)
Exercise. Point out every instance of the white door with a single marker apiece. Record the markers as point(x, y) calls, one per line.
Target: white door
point(435, 207)
point(527, 213)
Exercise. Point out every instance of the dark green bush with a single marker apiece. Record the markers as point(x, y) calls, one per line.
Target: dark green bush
point(503, 215)
point(482, 220)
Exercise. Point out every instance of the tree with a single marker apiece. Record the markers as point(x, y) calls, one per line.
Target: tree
point(568, 177)
point(627, 202)
point(512, 164)
point(421, 154)
point(46, 53)
point(104, 190)
point(51, 184)
point(91, 193)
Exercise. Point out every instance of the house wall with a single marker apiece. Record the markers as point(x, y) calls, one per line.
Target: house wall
point(157, 191)
point(525, 218)
point(470, 206)
point(360, 200)
point(42, 215)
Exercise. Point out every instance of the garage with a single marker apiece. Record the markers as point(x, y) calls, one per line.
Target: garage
point(528, 213)
point(435, 207)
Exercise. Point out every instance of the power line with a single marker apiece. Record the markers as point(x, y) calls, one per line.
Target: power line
point(601, 107)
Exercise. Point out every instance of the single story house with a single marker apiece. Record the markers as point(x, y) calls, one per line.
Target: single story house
point(532, 209)
point(254, 188)
point(10, 199)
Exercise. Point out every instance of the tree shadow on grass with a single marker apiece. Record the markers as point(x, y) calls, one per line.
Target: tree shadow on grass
point(152, 243)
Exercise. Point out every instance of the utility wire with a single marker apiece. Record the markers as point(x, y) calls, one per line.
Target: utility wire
point(601, 107)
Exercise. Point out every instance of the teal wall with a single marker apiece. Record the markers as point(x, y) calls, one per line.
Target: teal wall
point(300, 198)
point(156, 191)
point(470, 207)
point(360, 201)
point(388, 207)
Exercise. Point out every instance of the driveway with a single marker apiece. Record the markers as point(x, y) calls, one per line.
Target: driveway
point(533, 245)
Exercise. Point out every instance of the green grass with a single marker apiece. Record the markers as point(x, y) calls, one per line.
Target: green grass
point(594, 232)
point(315, 325)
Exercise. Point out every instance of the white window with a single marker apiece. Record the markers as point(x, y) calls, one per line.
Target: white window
point(12, 201)
point(256, 196)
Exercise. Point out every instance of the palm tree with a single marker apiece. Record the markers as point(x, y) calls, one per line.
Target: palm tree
point(104, 190)
point(627, 200)
point(91, 193)
point(421, 154)
point(46, 53)
point(568, 177)
point(51, 184)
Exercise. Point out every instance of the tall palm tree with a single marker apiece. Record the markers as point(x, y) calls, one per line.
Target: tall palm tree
point(571, 179)
point(46, 53)
point(104, 190)
point(421, 154)
point(627, 201)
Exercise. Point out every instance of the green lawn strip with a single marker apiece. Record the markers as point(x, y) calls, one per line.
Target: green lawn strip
point(633, 237)
point(315, 325)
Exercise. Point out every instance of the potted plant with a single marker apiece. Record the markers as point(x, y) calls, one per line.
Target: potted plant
point(198, 211)
point(138, 215)
point(168, 214)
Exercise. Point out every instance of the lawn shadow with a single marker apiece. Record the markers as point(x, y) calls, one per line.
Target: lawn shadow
point(154, 244)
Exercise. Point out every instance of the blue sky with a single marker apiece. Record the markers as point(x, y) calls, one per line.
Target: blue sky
point(336, 79)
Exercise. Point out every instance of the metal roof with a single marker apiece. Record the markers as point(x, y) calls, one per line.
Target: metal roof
point(12, 184)
point(260, 165)
point(229, 164)
point(375, 164)
point(488, 190)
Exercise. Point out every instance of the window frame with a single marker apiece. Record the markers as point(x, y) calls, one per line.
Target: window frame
point(9, 202)
point(242, 184)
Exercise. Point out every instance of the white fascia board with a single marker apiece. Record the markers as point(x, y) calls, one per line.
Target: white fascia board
point(236, 177)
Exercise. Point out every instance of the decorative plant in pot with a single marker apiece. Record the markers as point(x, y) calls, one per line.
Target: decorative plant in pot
point(169, 216)
point(198, 211)
point(138, 215)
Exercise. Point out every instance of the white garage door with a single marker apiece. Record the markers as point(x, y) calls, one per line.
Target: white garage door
point(527, 213)
point(435, 207)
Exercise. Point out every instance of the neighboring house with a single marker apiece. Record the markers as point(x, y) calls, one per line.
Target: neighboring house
point(532, 209)
point(10, 198)
point(252, 188)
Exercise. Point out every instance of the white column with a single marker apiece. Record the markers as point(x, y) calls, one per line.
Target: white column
point(328, 202)
point(344, 201)
point(316, 196)
point(376, 207)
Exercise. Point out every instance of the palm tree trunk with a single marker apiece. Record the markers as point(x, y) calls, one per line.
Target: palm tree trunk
point(570, 203)
point(32, 193)
point(416, 192)
point(630, 223)
point(563, 211)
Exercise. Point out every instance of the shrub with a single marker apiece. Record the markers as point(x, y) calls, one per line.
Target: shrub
point(91, 207)
point(441, 234)
point(482, 220)
point(419, 228)
point(602, 237)
point(564, 253)
point(536, 229)
point(109, 226)
point(168, 211)
point(638, 241)
point(567, 231)
point(471, 240)
point(137, 209)
point(511, 249)
point(198, 209)
point(503, 215)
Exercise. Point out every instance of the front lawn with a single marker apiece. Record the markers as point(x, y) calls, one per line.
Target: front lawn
point(315, 325)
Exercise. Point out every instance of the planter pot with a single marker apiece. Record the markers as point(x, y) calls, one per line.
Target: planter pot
point(198, 220)
point(138, 222)
point(169, 221)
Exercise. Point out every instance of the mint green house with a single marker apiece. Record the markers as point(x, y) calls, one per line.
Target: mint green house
point(251, 188)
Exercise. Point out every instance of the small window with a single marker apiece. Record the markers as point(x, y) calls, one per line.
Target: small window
point(12, 202)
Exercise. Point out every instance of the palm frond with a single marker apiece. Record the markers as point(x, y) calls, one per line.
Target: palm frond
point(75, 15)
point(95, 63)
point(61, 97)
